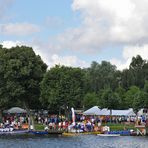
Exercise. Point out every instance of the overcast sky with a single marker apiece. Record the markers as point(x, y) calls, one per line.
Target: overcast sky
point(77, 32)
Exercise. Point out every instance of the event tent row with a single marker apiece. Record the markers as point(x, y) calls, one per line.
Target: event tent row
point(15, 110)
point(105, 112)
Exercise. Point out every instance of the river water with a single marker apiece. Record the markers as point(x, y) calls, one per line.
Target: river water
point(83, 141)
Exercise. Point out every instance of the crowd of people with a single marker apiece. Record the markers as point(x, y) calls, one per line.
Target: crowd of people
point(84, 123)
point(55, 122)
point(13, 122)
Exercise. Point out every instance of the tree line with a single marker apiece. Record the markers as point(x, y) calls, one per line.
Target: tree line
point(25, 81)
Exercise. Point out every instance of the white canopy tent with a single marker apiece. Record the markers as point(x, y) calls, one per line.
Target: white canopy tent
point(92, 111)
point(15, 110)
point(105, 112)
point(128, 112)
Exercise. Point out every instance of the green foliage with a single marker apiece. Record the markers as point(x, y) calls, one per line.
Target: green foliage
point(90, 100)
point(21, 73)
point(62, 87)
point(140, 100)
point(23, 78)
point(109, 99)
point(120, 92)
point(146, 86)
point(100, 76)
point(130, 96)
point(136, 67)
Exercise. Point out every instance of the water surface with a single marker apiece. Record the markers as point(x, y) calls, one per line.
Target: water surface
point(83, 141)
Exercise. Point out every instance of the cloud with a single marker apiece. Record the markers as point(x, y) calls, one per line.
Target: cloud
point(9, 44)
point(120, 19)
point(67, 61)
point(121, 64)
point(128, 53)
point(18, 29)
point(50, 59)
point(106, 23)
point(38, 47)
point(103, 23)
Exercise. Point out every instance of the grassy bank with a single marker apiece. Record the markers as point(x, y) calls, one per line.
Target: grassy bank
point(117, 127)
point(113, 126)
point(39, 127)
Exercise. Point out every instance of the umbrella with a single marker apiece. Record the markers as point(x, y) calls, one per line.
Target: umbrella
point(15, 110)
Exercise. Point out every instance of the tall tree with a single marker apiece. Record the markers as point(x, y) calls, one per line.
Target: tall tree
point(127, 79)
point(100, 76)
point(109, 100)
point(130, 96)
point(4, 98)
point(21, 73)
point(140, 100)
point(90, 100)
point(137, 69)
point(121, 95)
point(62, 86)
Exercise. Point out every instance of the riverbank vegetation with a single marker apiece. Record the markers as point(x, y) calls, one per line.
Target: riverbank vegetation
point(25, 81)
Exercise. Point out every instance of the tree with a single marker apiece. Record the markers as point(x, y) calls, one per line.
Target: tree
point(146, 86)
point(62, 86)
point(146, 91)
point(21, 73)
point(100, 76)
point(109, 100)
point(120, 92)
point(137, 69)
point(130, 96)
point(90, 100)
point(140, 100)
point(4, 98)
point(127, 79)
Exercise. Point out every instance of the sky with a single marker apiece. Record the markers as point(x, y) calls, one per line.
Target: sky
point(77, 32)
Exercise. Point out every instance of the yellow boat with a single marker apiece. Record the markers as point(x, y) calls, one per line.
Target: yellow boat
point(83, 133)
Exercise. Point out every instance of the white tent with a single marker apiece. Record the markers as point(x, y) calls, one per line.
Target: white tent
point(128, 112)
point(105, 112)
point(92, 111)
point(14, 110)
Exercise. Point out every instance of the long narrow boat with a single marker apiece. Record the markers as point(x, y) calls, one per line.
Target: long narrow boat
point(82, 133)
point(14, 132)
point(45, 132)
point(109, 135)
point(39, 132)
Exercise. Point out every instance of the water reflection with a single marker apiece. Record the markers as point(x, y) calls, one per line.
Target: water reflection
point(84, 141)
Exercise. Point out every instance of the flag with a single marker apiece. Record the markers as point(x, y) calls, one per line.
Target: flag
point(73, 116)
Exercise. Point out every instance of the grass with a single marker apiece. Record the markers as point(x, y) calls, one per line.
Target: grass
point(117, 127)
point(39, 127)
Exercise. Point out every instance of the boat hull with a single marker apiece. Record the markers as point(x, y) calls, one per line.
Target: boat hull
point(14, 132)
point(77, 134)
point(109, 135)
point(38, 132)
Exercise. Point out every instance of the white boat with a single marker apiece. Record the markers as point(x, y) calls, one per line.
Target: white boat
point(109, 135)
point(5, 132)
